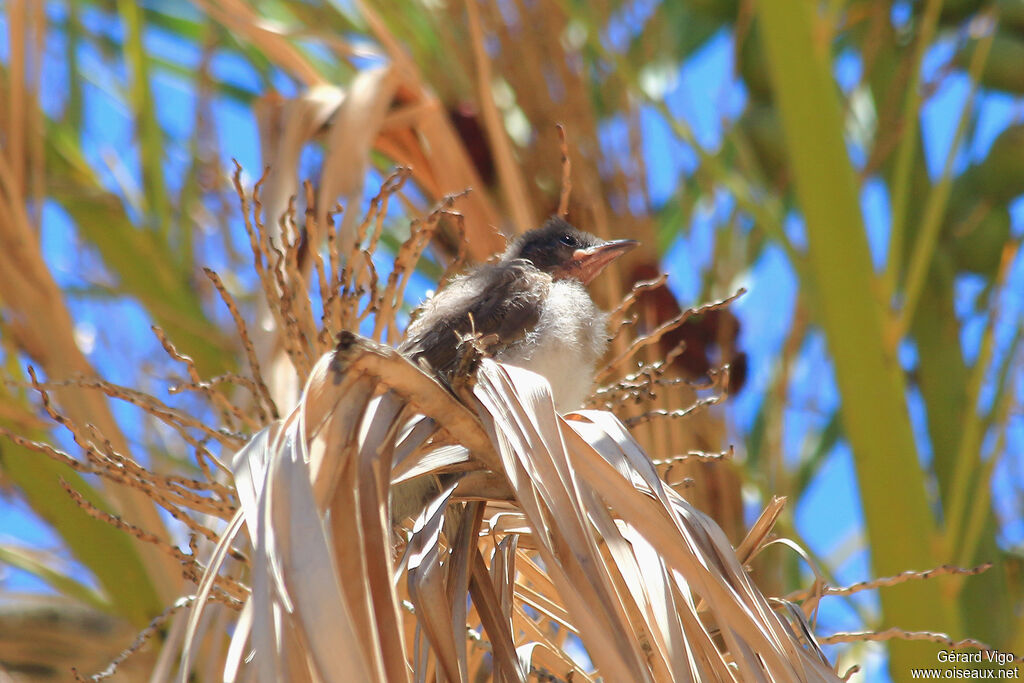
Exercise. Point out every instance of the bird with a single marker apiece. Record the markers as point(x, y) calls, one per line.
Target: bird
point(530, 308)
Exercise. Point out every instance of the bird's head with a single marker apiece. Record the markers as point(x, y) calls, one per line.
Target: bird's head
point(565, 252)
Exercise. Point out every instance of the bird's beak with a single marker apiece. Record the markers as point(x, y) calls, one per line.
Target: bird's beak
point(590, 262)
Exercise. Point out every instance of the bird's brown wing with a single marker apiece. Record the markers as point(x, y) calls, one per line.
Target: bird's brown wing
point(507, 307)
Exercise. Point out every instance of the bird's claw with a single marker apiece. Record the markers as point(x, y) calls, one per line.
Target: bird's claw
point(470, 348)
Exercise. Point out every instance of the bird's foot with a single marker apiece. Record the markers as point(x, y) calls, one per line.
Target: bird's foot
point(470, 348)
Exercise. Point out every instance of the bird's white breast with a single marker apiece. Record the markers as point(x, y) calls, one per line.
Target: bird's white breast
point(565, 346)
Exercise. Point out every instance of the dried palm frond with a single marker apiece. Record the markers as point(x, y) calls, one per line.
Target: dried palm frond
point(649, 585)
point(391, 527)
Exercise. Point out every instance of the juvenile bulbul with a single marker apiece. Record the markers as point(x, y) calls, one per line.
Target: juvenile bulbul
point(531, 308)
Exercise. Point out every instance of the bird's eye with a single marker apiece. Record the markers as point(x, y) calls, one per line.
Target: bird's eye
point(567, 240)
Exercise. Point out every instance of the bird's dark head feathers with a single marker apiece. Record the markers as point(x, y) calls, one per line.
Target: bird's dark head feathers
point(551, 245)
point(564, 251)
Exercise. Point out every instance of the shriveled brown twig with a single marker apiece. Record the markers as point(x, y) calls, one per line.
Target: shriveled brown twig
point(895, 633)
point(849, 672)
point(268, 259)
point(661, 330)
point(637, 384)
point(282, 261)
point(375, 214)
point(54, 414)
point(204, 457)
point(371, 290)
point(332, 316)
point(169, 489)
point(247, 346)
point(228, 411)
point(698, 456)
point(288, 322)
point(313, 236)
point(393, 184)
point(177, 513)
point(259, 254)
point(146, 402)
point(226, 378)
point(115, 471)
point(405, 261)
point(141, 639)
point(191, 567)
point(700, 404)
point(327, 331)
point(618, 314)
point(646, 380)
point(888, 581)
point(643, 385)
point(172, 417)
point(110, 464)
point(114, 463)
point(49, 451)
point(358, 276)
point(294, 269)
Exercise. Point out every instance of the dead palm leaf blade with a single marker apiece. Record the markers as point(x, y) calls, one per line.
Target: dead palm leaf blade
point(538, 532)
